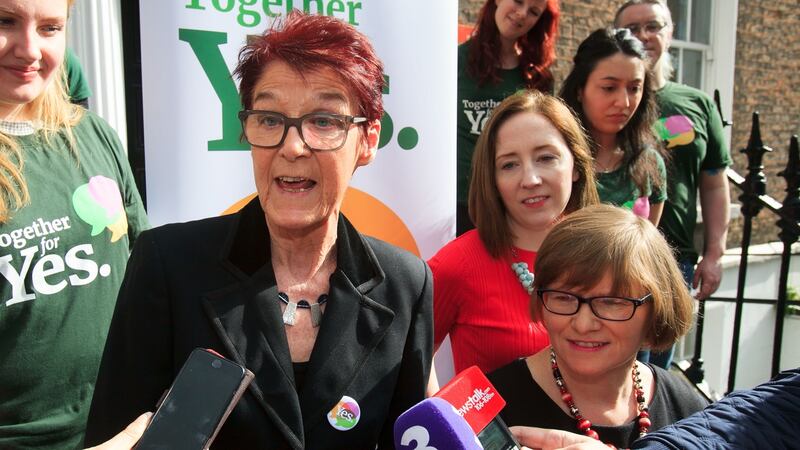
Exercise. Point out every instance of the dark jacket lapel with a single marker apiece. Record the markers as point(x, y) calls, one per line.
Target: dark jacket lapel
point(352, 326)
point(247, 317)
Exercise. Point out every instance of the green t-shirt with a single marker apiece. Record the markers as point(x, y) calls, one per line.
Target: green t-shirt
point(77, 85)
point(475, 105)
point(691, 128)
point(618, 189)
point(62, 259)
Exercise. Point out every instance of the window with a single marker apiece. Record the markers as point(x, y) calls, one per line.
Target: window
point(691, 45)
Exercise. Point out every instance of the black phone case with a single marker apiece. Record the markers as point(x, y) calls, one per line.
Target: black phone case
point(199, 356)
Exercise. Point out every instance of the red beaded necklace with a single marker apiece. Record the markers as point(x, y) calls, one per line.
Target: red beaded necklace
point(584, 425)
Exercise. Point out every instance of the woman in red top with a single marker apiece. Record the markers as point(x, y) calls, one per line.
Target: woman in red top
point(532, 165)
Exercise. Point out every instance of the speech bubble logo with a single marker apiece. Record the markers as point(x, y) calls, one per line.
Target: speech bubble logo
point(99, 203)
point(675, 130)
point(640, 206)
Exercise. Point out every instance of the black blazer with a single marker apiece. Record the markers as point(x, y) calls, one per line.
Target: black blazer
point(210, 284)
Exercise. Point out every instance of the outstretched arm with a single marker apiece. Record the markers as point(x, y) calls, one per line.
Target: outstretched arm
point(544, 439)
point(715, 202)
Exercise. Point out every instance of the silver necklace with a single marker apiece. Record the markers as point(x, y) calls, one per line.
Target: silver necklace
point(617, 154)
point(290, 314)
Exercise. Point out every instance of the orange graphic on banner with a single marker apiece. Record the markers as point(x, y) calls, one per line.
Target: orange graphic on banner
point(369, 215)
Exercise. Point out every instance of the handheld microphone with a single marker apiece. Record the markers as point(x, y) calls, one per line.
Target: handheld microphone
point(433, 424)
point(478, 402)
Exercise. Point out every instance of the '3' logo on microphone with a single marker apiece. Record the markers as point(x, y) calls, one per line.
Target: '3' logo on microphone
point(419, 435)
point(433, 424)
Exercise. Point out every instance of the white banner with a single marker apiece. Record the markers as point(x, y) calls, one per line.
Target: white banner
point(195, 165)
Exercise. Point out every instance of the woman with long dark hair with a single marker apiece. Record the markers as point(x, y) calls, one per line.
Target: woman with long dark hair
point(609, 88)
point(691, 129)
point(512, 48)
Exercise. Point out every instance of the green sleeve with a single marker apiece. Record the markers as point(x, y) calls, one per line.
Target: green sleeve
point(78, 86)
point(134, 208)
point(717, 154)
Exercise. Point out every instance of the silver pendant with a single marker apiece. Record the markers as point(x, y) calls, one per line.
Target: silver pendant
point(316, 315)
point(289, 316)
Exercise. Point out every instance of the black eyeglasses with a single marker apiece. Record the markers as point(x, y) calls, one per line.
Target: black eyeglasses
point(321, 132)
point(605, 307)
point(651, 28)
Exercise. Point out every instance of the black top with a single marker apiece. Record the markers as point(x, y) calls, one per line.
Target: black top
point(528, 404)
point(300, 369)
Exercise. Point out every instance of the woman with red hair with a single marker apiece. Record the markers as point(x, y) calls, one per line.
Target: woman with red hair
point(512, 47)
point(335, 325)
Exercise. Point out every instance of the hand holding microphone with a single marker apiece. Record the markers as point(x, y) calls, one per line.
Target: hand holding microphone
point(545, 439)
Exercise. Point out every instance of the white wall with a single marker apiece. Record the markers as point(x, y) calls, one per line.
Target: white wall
point(95, 34)
point(758, 322)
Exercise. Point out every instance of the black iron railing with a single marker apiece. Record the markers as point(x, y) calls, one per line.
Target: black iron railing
point(753, 200)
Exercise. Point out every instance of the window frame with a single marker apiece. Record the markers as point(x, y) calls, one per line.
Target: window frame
point(718, 56)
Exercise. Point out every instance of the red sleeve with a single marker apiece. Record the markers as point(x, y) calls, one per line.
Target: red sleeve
point(446, 283)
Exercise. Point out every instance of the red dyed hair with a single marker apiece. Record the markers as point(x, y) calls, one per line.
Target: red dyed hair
point(538, 48)
point(308, 42)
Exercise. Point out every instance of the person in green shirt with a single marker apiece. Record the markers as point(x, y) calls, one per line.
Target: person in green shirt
point(512, 48)
point(609, 89)
point(691, 129)
point(69, 214)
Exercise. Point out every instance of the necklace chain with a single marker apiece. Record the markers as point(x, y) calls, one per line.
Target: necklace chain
point(584, 425)
point(603, 169)
point(617, 155)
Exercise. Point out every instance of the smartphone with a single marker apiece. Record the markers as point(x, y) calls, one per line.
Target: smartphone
point(194, 408)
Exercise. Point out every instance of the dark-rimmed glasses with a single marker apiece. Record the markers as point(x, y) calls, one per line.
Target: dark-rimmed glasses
point(649, 28)
point(321, 132)
point(605, 307)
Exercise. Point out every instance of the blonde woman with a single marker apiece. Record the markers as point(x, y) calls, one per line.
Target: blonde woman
point(69, 211)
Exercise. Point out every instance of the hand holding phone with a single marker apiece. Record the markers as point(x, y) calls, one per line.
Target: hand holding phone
point(127, 438)
point(194, 408)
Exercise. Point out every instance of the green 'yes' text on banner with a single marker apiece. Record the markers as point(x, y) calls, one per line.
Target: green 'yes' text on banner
point(206, 47)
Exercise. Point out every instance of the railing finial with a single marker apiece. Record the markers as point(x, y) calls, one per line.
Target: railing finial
point(792, 171)
point(791, 204)
point(755, 183)
point(755, 133)
point(789, 232)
